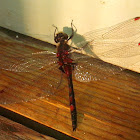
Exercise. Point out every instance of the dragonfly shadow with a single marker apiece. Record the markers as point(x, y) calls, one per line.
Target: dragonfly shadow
point(80, 42)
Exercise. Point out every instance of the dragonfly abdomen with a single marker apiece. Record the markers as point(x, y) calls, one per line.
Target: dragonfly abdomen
point(68, 71)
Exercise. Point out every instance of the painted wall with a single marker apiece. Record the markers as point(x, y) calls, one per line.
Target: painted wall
point(36, 17)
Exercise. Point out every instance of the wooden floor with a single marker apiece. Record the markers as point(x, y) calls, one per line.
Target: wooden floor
point(107, 109)
point(10, 130)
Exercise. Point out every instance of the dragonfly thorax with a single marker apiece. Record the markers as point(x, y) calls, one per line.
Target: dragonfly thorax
point(61, 37)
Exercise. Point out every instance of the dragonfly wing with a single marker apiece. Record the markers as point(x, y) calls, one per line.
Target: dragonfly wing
point(123, 30)
point(125, 50)
point(112, 49)
point(92, 69)
point(47, 81)
point(32, 85)
point(36, 74)
point(27, 62)
point(116, 41)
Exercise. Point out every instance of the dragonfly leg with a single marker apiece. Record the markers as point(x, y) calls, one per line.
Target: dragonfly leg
point(73, 65)
point(72, 31)
point(61, 68)
point(55, 32)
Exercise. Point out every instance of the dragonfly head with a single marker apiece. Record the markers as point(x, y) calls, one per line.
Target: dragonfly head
point(60, 37)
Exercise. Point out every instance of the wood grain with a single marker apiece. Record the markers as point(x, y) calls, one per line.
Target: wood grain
point(107, 109)
point(14, 131)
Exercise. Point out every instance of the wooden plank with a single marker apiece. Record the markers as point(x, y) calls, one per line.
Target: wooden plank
point(107, 109)
point(15, 131)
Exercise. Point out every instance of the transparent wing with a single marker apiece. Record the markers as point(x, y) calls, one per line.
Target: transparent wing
point(91, 69)
point(121, 40)
point(124, 29)
point(125, 50)
point(32, 76)
point(21, 87)
point(112, 49)
point(27, 62)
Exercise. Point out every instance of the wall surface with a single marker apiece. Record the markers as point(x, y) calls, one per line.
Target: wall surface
point(36, 18)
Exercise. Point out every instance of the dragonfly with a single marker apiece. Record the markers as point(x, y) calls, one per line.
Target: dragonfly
point(69, 61)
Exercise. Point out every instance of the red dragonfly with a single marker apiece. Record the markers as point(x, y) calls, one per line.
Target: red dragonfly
point(67, 61)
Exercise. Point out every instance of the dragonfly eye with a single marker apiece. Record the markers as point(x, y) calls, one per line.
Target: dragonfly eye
point(61, 37)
